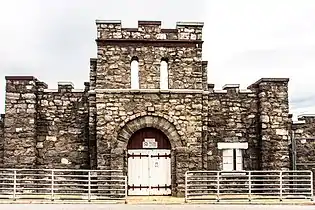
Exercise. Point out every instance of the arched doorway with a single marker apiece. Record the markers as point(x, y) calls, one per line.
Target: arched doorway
point(149, 163)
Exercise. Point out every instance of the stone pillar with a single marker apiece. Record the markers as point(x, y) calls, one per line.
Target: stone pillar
point(20, 122)
point(274, 122)
point(186, 159)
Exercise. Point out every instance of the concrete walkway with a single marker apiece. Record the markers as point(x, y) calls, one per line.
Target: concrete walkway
point(146, 207)
point(177, 200)
point(162, 200)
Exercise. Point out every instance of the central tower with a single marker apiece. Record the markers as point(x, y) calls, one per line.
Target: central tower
point(139, 55)
point(148, 79)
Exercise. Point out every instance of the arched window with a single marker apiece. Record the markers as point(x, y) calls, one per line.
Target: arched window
point(163, 74)
point(134, 73)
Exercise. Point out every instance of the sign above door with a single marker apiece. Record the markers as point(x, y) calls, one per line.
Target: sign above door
point(149, 143)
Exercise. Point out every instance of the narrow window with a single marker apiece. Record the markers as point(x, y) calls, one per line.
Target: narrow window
point(134, 73)
point(232, 160)
point(163, 74)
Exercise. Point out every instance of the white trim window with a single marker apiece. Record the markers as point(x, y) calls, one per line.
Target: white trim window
point(232, 155)
point(232, 160)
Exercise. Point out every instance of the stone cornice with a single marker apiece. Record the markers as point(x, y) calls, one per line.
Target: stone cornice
point(256, 84)
point(188, 91)
point(20, 78)
point(154, 91)
point(150, 42)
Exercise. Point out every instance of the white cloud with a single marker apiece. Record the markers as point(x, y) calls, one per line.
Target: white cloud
point(249, 39)
point(244, 39)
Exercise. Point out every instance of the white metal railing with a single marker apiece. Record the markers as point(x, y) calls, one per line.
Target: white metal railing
point(63, 184)
point(218, 185)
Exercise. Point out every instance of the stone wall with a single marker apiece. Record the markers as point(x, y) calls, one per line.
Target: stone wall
point(20, 122)
point(177, 114)
point(181, 47)
point(149, 30)
point(62, 126)
point(303, 144)
point(233, 117)
point(45, 128)
point(258, 116)
point(1, 138)
point(92, 115)
point(304, 138)
point(274, 122)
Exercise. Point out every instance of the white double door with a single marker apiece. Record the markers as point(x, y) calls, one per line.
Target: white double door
point(149, 172)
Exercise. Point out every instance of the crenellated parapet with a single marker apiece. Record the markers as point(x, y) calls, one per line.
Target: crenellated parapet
point(307, 118)
point(230, 89)
point(148, 30)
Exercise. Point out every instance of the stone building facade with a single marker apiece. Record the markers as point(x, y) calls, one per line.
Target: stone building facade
point(206, 128)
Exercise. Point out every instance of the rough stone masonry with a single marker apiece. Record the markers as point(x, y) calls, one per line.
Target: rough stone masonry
point(90, 128)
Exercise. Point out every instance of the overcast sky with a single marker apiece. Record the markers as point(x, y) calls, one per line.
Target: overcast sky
point(244, 39)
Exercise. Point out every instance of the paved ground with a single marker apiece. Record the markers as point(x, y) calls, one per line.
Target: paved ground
point(146, 207)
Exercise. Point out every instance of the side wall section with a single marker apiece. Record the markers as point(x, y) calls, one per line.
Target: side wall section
point(62, 140)
point(233, 117)
point(303, 145)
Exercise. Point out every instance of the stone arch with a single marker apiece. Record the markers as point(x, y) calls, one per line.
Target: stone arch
point(157, 122)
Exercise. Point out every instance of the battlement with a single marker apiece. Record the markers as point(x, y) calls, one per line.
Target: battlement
point(230, 88)
point(32, 84)
point(307, 118)
point(148, 30)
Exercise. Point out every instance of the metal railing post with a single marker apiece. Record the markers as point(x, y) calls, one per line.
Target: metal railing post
point(186, 191)
point(89, 186)
point(249, 186)
point(14, 186)
point(126, 189)
point(281, 185)
point(52, 185)
point(218, 186)
point(312, 185)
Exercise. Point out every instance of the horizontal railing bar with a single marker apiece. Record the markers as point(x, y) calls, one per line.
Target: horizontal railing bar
point(201, 189)
point(58, 170)
point(112, 180)
point(109, 195)
point(63, 184)
point(214, 176)
point(47, 175)
point(78, 189)
point(252, 184)
point(245, 185)
point(201, 180)
point(122, 189)
point(271, 171)
point(43, 180)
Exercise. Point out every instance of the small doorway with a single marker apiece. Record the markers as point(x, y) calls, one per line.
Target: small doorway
point(149, 163)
